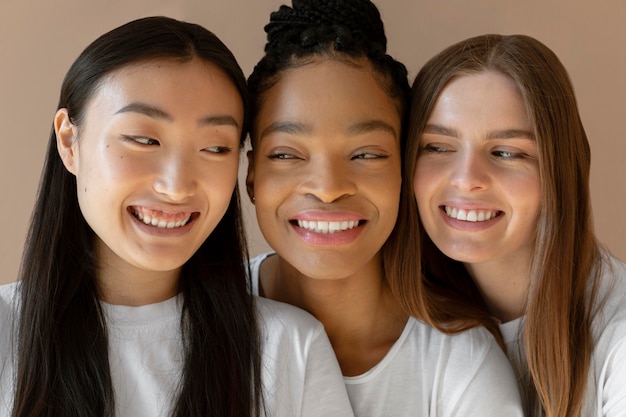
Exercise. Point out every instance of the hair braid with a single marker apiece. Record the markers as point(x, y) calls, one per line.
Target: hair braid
point(339, 29)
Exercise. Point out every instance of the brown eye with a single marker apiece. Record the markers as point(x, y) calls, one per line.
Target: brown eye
point(141, 140)
point(218, 149)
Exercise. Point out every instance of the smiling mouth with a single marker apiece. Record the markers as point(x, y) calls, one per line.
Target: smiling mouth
point(161, 219)
point(327, 227)
point(471, 215)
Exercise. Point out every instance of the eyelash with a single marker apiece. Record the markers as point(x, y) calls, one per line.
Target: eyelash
point(281, 156)
point(219, 149)
point(140, 140)
point(153, 142)
point(433, 149)
point(498, 154)
point(366, 155)
point(370, 155)
point(511, 155)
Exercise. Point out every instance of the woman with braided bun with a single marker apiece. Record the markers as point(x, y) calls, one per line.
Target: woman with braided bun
point(325, 177)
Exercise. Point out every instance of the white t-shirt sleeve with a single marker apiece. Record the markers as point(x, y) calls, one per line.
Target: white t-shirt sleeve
point(324, 390)
point(8, 311)
point(480, 383)
point(608, 385)
point(301, 376)
point(611, 398)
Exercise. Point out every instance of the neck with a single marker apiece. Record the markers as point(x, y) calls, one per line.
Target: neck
point(136, 290)
point(504, 286)
point(127, 285)
point(360, 315)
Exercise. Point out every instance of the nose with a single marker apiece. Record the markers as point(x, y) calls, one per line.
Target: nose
point(176, 178)
point(471, 172)
point(327, 180)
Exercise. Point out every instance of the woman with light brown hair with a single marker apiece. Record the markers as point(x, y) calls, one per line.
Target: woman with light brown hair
point(496, 220)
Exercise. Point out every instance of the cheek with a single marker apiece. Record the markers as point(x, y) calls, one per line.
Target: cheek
point(526, 191)
point(221, 180)
point(99, 173)
point(270, 185)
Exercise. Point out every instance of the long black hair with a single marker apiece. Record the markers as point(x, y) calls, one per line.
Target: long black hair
point(62, 363)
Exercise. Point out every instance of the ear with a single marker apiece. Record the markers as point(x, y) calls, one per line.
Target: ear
point(67, 145)
point(250, 176)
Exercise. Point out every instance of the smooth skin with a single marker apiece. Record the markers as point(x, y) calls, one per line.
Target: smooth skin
point(159, 145)
point(477, 185)
point(325, 177)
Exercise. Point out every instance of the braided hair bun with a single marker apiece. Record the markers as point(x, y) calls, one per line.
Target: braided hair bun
point(337, 29)
point(350, 25)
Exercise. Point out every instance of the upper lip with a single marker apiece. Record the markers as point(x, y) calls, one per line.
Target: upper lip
point(328, 215)
point(469, 205)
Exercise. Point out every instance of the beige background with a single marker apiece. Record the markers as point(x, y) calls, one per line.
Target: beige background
point(39, 39)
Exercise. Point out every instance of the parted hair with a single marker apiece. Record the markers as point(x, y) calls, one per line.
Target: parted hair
point(62, 360)
point(350, 31)
point(566, 264)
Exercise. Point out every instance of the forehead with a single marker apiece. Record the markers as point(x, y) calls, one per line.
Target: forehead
point(137, 75)
point(171, 85)
point(483, 97)
point(329, 89)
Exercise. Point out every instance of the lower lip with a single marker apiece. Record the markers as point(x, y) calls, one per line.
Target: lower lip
point(466, 225)
point(162, 232)
point(328, 239)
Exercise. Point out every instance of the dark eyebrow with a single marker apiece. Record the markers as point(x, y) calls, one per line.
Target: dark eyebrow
point(496, 134)
point(301, 129)
point(145, 109)
point(156, 113)
point(372, 126)
point(224, 120)
point(292, 128)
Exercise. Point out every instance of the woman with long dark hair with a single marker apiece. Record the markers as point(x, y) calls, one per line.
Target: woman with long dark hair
point(133, 297)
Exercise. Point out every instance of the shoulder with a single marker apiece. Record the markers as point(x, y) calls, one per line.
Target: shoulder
point(608, 362)
point(8, 311)
point(7, 291)
point(463, 367)
point(284, 320)
point(289, 335)
point(476, 342)
point(460, 356)
point(609, 325)
point(611, 296)
point(8, 298)
point(465, 355)
point(255, 267)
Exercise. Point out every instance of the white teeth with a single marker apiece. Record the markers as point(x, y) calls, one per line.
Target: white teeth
point(327, 227)
point(469, 215)
point(161, 224)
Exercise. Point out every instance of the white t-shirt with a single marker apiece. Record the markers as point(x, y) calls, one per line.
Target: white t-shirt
point(429, 373)
point(301, 376)
point(605, 395)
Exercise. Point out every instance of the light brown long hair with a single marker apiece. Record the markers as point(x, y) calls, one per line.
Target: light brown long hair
point(565, 266)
